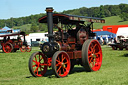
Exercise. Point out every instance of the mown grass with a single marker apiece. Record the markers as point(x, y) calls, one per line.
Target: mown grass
point(114, 71)
point(114, 20)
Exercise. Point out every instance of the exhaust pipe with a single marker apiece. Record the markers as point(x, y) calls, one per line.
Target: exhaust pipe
point(49, 11)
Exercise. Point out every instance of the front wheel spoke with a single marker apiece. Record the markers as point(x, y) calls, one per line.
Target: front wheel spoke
point(34, 65)
point(62, 56)
point(36, 69)
point(66, 63)
point(90, 60)
point(42, 64)
point(34, 61)
point(41, 58)
point(63, 69)
point(59, 69)
point(94, 46)
point(92, 64)
point(98, 53)
point(63, 59)
point(57, 64)
point(59, 72)
point(58, 61)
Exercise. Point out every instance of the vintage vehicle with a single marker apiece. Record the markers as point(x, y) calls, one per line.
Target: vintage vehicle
point(12, 45)
point(121, 43)
point(72, 44)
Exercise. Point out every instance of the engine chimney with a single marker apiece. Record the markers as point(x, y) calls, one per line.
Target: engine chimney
point(49, 11)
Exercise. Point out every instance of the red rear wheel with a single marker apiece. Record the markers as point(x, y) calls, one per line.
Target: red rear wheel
point(91, 55)
point(38, 64)
point(7, 47)
point(61, 64)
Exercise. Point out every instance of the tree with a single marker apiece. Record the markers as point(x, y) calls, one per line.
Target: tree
point(34, 28)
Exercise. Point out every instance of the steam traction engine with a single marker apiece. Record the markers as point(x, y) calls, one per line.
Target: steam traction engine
point(12, 45)
point(67, 47)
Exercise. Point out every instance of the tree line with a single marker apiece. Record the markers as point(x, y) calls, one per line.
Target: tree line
point(101, 12)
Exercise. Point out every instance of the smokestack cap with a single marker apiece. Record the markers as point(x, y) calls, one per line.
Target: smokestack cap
point(49, 9)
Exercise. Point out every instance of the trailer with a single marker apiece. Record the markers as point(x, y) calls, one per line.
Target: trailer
point(121, 40)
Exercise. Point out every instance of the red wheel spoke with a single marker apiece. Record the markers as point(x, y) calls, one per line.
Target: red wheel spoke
point(36, 69)
point(34, 65)
point(58, 61)
point(66, 63)
point(60, 72)
point(63, 70)
point(90, 56)
point(59, 69)
point(62, 56)
point(41, 58)
point(34, 61)
point(90, 60)
point(57, 64)
point(98, 53)
point(63, 59)
point(94, 46)
point(42, 64)
point(58, 58)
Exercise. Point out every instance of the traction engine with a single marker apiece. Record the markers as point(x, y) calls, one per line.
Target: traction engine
point(12, 45)
point(71, 45)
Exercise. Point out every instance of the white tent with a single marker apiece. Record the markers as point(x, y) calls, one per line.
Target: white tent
point(38, 36)
point(122, 31)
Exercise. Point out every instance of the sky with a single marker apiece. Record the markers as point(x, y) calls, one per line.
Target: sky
point(22, 8)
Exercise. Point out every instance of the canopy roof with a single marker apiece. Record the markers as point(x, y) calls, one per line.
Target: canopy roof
point(103, 33)
point(6, 28)
point(71, 19)
point(12, 34)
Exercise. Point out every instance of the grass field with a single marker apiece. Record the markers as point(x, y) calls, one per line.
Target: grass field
point(114, 71)
point(114, 20)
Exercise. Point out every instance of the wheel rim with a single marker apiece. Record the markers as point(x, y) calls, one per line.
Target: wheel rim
point(7, 48)
point(62, 64)
point(95, 55)
point(39, 64)
point(28, 48)
point(23, 48)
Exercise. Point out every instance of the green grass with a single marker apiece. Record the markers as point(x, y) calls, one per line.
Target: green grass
point(114, 71)
point(114, 20)
point(25, 27)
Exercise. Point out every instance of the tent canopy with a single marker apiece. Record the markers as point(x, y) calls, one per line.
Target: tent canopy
point(6, 28)
point(100, 33)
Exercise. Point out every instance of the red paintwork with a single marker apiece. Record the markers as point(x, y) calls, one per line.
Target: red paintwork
point(97, 30)
point(113, 28)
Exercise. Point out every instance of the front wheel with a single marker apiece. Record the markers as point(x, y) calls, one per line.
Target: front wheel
point(23, 48)
point(114, 47)
point(91, 55)
point(38, 64)
point(61, 64)
point(28, 48)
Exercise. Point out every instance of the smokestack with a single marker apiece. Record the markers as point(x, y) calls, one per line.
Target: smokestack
point(49, 11)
